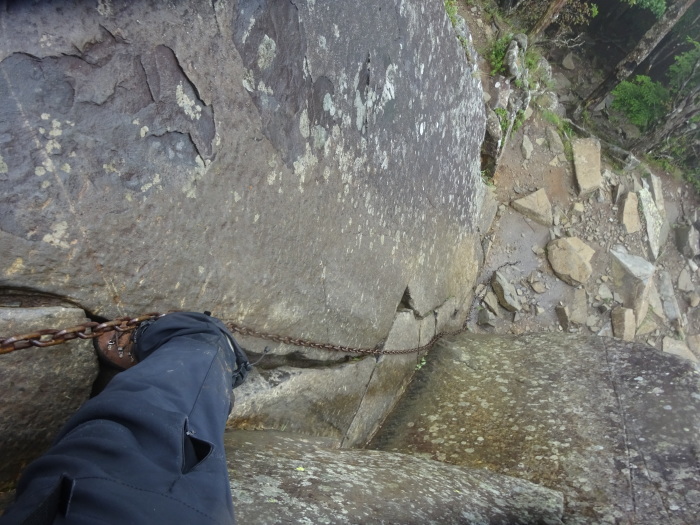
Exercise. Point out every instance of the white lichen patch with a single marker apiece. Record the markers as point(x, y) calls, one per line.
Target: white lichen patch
point(104, 7)
point(45, 184)
point(190, 107)
point(304, 124)
point(267, 51)
point(39, 171)
point(248, 80)
point(144, 131)
point(156, 182)
point(189, 188)
point(16, 267)
point(45, 116)
point(56, 237)
point(52, 146)
point(55, 129)
point(3, 165)
point(236, 196)
point(271, 178)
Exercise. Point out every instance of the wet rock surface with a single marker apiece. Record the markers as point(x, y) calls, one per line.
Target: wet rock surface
point(283, 478)
point(42, 387)
point(590, 417)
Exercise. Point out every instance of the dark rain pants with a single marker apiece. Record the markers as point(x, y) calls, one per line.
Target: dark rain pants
point(149, 448)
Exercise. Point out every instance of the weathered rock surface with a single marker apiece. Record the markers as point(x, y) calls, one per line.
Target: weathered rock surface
point(633, 278)
point(253, 147)
point(556, 145)
point(570, 259)
point(535, 206)
point(668, 298)
point(282, 478)
point(687, 240)
point(526, 147)
point(272, 162)
point(654, 221)
point(587, 165)
point(613, 425)
point(42, 387)
point(624, 324)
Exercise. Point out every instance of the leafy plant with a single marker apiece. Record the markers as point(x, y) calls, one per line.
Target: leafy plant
point(502, 115)
point(420, 363)
point(496, 55)
point(451, 10)
point(642, 100)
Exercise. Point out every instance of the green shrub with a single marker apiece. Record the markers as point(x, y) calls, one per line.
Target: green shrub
point(642, 100)
point(496, 54)
point(451, 10)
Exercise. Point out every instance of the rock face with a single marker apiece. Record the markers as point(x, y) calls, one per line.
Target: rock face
point(612, 425)
point(42, 386)
point(587, 165)
point(279, 478)
point(536, 206)
point(296, 169)
point(217, 155)
point(570, 259)
point(624, 324)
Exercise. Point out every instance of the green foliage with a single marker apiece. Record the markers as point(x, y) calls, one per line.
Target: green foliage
point(451, 10)
point(496, 55)
point(502, 115)
point(642, 100)
point(684, 74)
point(658, 7)
point(553, 118)
point(420, 363)
point(519, 120)
point(594, 10)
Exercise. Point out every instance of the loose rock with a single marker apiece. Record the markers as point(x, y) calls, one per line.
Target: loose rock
point(587, 165)
point(506, 293)
point(535, 206)
point(629, 216)
point(527, 147)
point(570, 259)
point(623, 323)
point(679, 348)
point(633, 278)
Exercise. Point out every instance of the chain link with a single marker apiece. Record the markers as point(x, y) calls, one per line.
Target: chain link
point(92, 329)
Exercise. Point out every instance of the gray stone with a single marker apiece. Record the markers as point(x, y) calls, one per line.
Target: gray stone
point(284, 478)
point(679, 348)
point(535, 206)
point(605, 293)
point(693, 342)
point(568, 62)
point(427, 328)
point(556, 145)
point(629, 213)
point(624, 323)
point(526, 147)
point(668, 298)
point(505, 291)
point(587, 165)
point(575, 414)
point(655, 303)
point(563, 317)
point(653, 220)
point(450, 316)
point(491, 302)
point(42, 387)
point(693, 299)
point(633, 278)
point(485, 318)
point(685, 281)
point(538, 287)
point(687, 240)
point(515, 60)
point(216, 123)
point(570, 259)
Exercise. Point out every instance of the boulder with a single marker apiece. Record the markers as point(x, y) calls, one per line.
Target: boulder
point(285, 478)
point(575, 414)
point(579, 306)
point(491, 302)
point(535, 206)
point(629, 213)
point(256, 150)
point(485, 318)
point(570, 259)
point(42, 387)
point(633, 278)
point(587, 165)
point(271, 162)
point(505, 291)
point(624, 323)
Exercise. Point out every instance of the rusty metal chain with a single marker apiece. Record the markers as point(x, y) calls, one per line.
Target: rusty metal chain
point(92, 329)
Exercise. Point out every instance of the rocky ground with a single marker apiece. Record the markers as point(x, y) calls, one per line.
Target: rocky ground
point(546, 190)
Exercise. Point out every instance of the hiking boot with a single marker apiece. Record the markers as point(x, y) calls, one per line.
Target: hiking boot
point(115, 349)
